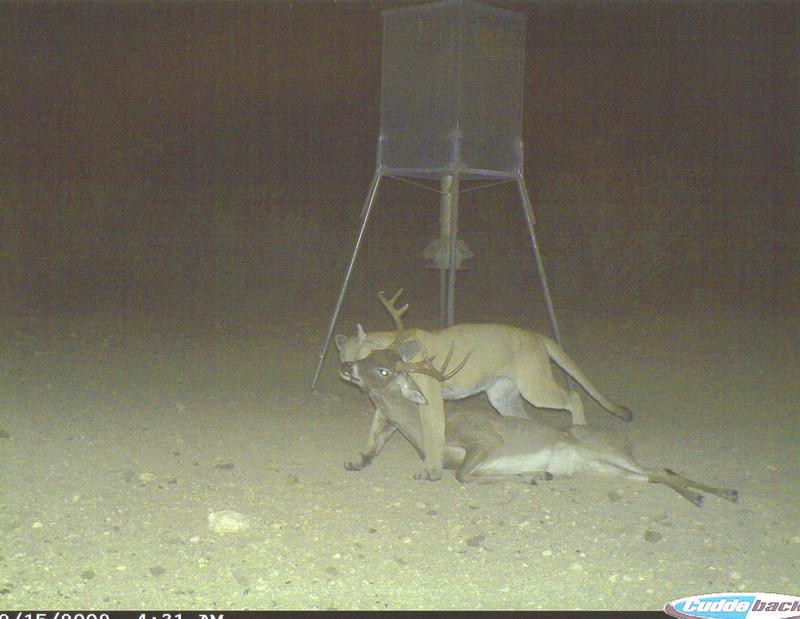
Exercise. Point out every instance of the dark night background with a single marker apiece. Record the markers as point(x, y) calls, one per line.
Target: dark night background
point(195, 159)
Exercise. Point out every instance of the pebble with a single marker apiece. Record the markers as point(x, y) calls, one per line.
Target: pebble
point(652, 536)
point(227, 521)
point(475, 540)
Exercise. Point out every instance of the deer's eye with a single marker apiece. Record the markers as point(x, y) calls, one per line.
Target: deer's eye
point(383, 372)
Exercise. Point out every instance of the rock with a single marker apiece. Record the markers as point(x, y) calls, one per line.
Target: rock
point(652, 536)
point(227, 521)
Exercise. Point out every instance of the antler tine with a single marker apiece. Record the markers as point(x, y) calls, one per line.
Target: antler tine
point(426, 367)
point(395, 312)
point(446, 362)
point(458, 367)
point(443, 371)
point(396, 296)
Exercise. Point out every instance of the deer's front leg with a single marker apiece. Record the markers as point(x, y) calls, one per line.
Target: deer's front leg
point(432, 422)
point(382, 428)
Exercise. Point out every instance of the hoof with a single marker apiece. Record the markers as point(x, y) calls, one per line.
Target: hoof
point(426, 475)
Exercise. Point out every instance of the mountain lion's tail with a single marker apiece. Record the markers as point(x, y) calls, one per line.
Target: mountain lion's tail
point(563, 360)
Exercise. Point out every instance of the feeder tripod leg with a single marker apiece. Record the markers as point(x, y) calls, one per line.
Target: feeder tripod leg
point(529, 219)
point(365, 212)
point(448, 229)
point(442, 298)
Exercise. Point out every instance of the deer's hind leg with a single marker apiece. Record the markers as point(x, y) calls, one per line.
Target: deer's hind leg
point(684, 486)
point(607, 459)
point(728, 494)
point(681, 488)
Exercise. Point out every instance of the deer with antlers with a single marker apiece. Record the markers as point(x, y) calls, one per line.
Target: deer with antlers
point(507, 363)
point(483, 446)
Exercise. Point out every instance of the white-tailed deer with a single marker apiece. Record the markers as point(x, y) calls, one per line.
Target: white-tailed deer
point(481, 445)
point(507, 363)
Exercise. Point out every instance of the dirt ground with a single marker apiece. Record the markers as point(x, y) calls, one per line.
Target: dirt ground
point(120, 437)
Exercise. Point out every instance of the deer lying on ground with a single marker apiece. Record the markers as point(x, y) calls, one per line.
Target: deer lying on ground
point(508, 363)
point(481, 445)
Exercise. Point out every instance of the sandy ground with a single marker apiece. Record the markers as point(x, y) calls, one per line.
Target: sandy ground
point(120, 437)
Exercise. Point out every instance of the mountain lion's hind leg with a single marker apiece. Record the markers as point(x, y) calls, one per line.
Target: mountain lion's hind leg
point(575, 407)
point(505, 398)
point(555, 396)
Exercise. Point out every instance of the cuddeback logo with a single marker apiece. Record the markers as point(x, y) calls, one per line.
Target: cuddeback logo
point(736, 606)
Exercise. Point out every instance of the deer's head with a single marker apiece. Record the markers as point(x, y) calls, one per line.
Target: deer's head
point(384, 371)
point(391, 368)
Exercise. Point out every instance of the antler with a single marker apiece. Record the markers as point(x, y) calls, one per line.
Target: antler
point(426, 367)
point(396, 313)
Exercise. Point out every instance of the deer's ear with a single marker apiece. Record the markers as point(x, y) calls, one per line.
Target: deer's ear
point(411, 391)
point(340, 341)
point(410, 349)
